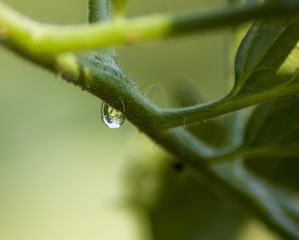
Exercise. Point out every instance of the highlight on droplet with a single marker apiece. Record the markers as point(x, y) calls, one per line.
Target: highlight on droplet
point(112, 117)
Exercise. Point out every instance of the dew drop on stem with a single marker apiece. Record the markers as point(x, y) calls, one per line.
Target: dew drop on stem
point(111, 117)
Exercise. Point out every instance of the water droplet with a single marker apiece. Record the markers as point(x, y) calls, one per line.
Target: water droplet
point(112, 117)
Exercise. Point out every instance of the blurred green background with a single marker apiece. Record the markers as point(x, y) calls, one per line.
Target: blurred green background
point(64, 175)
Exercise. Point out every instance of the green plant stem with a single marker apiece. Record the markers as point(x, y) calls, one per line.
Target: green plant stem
point(22, 36)
point(101, 76)
point(98, 11)
point(195, 114)
point(251, 191)
point(230, 180)
point(268, 152)
point(46, 39)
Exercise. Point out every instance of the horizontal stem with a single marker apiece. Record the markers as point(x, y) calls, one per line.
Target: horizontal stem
point(40, 39)
point(260, 152)
point(195, 114)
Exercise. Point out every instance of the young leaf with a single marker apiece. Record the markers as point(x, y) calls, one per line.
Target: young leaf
point(267, 60)
point(272, 136)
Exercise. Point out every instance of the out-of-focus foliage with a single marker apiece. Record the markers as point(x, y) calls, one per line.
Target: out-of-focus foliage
point(169, 203)
point(274, 128)
point(180, 207)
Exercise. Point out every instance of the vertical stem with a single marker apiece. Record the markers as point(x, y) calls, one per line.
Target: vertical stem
point(99, 11)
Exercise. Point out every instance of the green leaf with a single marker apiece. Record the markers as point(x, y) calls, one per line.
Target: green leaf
point(267, 59)
point(271, 141)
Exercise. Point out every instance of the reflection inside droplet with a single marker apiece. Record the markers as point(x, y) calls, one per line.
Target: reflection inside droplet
point(112, 117)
